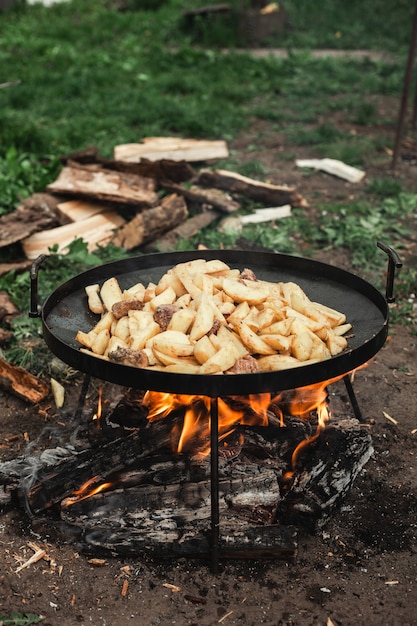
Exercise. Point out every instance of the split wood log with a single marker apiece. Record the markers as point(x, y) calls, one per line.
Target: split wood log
point(8, 309)
point(163, 169)
point(152, 223)
point(77, 210)
point(21, 383)
point(108, 185)
point(35, 214)
point(172, 148)
point(96, 230)
point(215, 198)
point(17, 266)
point(235, 183)
point(186, 230)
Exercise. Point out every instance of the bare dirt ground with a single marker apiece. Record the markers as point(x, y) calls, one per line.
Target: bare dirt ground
point(360, 569)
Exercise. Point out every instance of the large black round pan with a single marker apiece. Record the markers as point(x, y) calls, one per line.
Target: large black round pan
point(66, 311)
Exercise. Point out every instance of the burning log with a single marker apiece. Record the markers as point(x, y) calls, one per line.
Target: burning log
point(327, 472)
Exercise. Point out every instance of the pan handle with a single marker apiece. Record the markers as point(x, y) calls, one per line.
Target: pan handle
point(35, 309)
point(394, 262)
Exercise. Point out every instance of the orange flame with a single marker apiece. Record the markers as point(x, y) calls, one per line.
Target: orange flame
point(98, 413)
point(86, 491)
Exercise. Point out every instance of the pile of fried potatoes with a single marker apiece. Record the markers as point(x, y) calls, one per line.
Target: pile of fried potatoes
point(215, 320)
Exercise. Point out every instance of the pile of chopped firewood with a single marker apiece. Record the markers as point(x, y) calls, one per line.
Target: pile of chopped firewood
point(148, 197)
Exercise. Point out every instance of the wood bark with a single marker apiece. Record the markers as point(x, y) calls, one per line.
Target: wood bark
point(152, 223)
point(242, 185)
point(107, 185)
point(36, 213)
point(21, 383)
point(186, 230)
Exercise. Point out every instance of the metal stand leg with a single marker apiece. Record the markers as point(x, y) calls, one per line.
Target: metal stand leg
point(352, 398)
point(214, 484)
point(81, 399)
point(406, 91)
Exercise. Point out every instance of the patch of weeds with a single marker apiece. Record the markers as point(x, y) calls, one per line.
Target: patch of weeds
point(20, 619)
point(26, 348)
point(349, 149)
point(323, 134)
point(364, 114)
point(404, 311)
point(384, 187)
point(253, 169)
point(21, 175)
point(358, 228)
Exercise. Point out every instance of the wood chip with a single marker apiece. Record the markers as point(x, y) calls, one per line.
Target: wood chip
point(334, 167)
point(173, 588)
point(225, 616)
point(33, 559)
point(125, 587)
point(391, 419)
point(97, 562)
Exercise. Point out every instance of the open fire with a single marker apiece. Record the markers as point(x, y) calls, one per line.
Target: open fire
point(280, 464)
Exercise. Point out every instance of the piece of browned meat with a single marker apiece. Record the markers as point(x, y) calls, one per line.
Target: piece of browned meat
point(245, 365)
point(126, 356)
point(120, 309)
point(247, 274)
point(163, 315)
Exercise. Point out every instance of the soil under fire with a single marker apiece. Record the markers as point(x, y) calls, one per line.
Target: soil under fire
point(360, 569)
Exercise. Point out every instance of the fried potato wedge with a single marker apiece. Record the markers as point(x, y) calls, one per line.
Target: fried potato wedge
point(240, 292)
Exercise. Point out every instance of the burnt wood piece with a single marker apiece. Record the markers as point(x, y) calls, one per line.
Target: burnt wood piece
point(21, 383)
point(107, 185)
point(270, 195)
point(55, 482)
point(35, 214)
point(254, 542)
point(325, 473)
point(150, 224)
point(212, 197)
point(185, 504)
point(186, 230)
